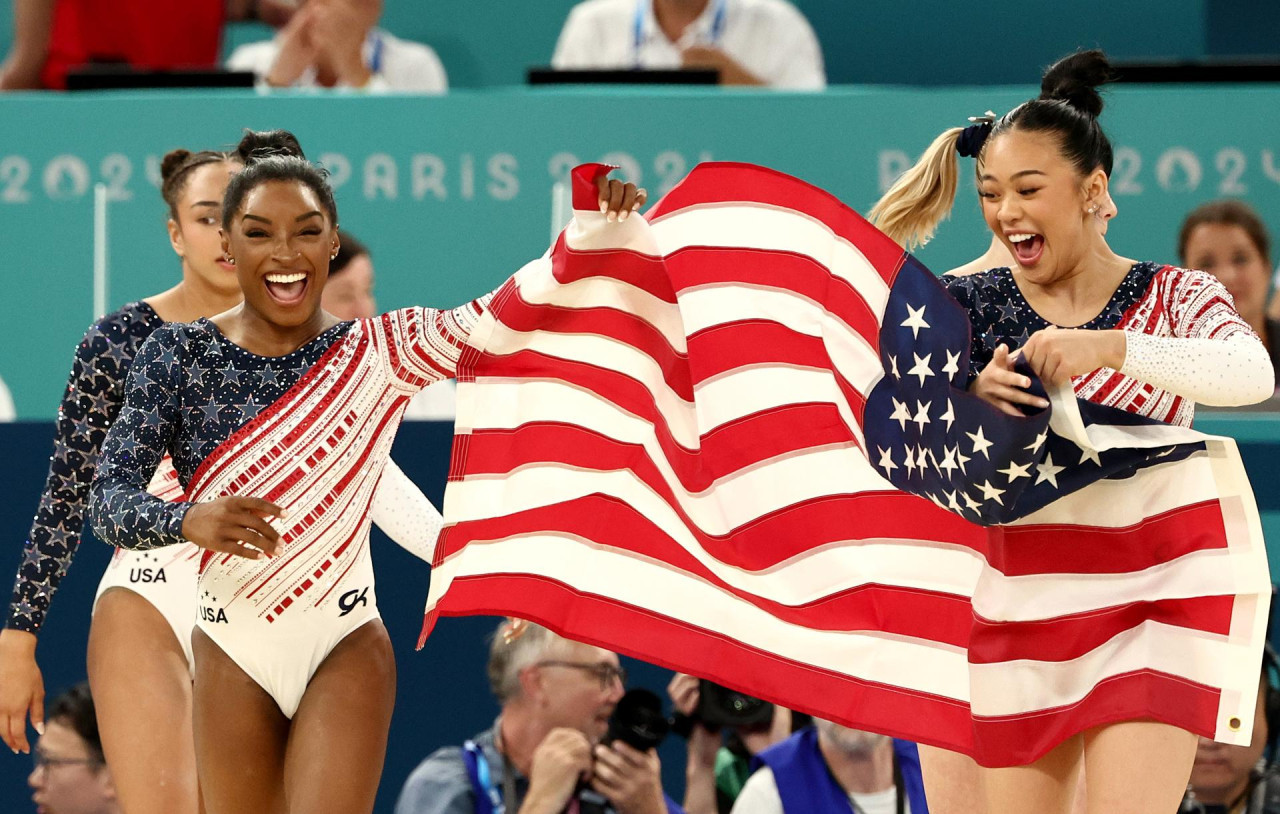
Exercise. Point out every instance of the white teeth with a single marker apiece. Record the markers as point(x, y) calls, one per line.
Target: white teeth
point(1020, 237)
point(286, 278)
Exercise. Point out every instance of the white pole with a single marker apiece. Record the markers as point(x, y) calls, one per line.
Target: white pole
point(99, 250)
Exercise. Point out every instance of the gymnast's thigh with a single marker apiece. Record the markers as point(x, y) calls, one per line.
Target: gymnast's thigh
point(141, 683)
point(240, 736)
point(339, 738)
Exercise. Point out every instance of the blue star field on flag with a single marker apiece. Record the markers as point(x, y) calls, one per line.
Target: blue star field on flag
point(929, 436)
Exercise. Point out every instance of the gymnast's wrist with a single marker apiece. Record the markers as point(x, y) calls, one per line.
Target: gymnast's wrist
point(1118, 348)
point(18, 641)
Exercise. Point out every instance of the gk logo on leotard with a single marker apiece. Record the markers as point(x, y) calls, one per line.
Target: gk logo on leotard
point(349, 600)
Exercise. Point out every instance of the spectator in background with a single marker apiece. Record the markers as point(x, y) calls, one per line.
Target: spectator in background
point(1236, 779)
point(717, 765)
point(828, 769)
point(348, 294)
point(750, 42)
point(52, 37)
point(71, 775)
point(337, 44)
point(1227, 239)
point(556, 697)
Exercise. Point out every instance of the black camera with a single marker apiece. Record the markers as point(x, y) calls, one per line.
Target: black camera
point(638, 722)
point(722, 707)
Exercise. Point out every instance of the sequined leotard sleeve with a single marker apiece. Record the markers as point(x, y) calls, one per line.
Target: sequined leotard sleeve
point(190, 390)
point(90, 404)
point(122, 512)
point(1213, 356)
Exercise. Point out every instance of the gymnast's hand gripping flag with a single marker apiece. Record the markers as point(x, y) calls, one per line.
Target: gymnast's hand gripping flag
point(733, 440)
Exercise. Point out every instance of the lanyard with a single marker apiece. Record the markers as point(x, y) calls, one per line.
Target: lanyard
point(481, 776)
point(637, 28)
point(375, 52)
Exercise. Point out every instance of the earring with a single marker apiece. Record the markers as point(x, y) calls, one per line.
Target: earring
point(231, 260)
point(1093, 210)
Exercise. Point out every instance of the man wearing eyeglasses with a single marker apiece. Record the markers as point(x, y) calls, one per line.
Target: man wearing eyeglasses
point(70, 774)
point(556, 697)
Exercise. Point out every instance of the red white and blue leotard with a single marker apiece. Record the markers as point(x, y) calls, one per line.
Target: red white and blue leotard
point(309, 431)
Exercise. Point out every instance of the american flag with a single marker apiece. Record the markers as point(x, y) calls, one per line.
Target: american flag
point(681, 439)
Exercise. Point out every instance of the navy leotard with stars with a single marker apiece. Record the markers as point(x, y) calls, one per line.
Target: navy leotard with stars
point(95, 391)
point(1000, 315)
point(191, 389)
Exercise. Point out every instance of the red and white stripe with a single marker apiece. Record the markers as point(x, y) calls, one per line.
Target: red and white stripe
point(658, 451)
point(318, 452)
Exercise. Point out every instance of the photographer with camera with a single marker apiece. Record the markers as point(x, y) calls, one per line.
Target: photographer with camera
point(557, 744)
point(725, 730)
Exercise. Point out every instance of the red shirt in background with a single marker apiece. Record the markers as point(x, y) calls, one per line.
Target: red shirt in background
point(148, 34)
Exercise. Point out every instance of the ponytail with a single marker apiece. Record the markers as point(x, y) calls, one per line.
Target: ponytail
point(923, 196)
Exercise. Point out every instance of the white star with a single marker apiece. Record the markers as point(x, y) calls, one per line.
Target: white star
point(962, 460)
point(980, 443)
point(893, 366)
point(952, 367)
point(921, 367)
point(948, 461)
point(970, 503)
point(922, 456)
point(1047, 471)
point(949, 416)
point(1035, 445)
point(910, 462)
point(901, 413)
point(915, 321)
point(952, 503)
point(1016, 471)
point(1090, 455)
point(990, 492)
point(922, 414)
point(886, 461)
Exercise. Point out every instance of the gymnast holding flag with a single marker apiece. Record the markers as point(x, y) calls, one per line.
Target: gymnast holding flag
point(295, 679)
point(1147, 338)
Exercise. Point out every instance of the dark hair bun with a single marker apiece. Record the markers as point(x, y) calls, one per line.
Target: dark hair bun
point(172, 162)
point(1075, 80)
point(257, 145)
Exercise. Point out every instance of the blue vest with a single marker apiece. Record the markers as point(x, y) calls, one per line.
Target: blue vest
point(807, 786)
